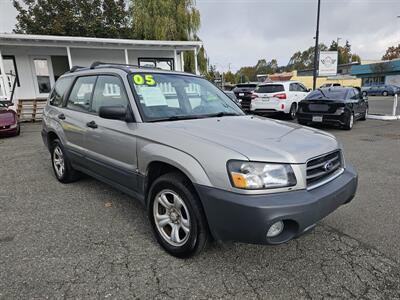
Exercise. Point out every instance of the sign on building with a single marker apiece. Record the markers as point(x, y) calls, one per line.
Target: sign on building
point(328, 61)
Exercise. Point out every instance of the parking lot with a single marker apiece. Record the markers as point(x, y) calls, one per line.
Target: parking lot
point(87, 240)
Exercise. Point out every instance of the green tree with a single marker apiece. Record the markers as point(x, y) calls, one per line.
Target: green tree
point(229, 77)
point(392, 53)
point(165, 20)
point(345, 55)
point(169, 20)
point(304, 60)
point(91, 18)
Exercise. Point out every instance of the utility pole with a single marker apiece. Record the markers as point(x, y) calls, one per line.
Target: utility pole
point(337, 43)
point(316, 48)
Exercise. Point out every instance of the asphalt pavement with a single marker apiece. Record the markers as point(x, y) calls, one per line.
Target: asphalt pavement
point(87, 240)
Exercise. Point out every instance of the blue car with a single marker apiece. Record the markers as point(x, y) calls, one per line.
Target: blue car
point(380, 90)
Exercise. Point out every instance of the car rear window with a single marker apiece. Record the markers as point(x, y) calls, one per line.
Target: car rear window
point(270, 88)
point(328, 94)
point(249, 86)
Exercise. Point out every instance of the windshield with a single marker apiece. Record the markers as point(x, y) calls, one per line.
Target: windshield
point(164, 97)
point(328, 94)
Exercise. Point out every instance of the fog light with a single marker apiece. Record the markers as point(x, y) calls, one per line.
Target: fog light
point(275, 229)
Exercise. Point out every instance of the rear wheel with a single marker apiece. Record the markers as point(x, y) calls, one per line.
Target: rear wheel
point(385, 93)
point(349, 122)
point(364, 93)
point(292, 113)
point(61, 164)
point(176, 216)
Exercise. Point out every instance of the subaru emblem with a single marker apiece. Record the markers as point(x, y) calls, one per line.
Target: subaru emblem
point(328, 166)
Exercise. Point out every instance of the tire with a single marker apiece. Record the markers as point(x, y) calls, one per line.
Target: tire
point(292, 112)
point(385, 93)
point(364, 116)
point(175, 204)
point(18, 130)
point(349, 122)
point(364, 93)
point(61, 164)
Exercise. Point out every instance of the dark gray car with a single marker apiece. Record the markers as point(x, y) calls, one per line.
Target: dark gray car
point(201, 167)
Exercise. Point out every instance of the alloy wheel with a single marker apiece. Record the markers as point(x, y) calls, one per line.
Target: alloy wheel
point(58, 161)
point(171, 218)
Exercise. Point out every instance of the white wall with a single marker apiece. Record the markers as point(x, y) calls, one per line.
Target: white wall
point(83, 57)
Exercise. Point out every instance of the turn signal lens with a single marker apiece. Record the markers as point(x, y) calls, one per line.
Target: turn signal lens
point(238, 180)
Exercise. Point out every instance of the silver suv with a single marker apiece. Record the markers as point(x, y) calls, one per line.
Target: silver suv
point(186, 151)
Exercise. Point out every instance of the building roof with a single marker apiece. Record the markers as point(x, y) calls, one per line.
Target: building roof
point(90, 42)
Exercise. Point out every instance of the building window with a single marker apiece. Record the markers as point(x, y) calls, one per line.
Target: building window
point(162, 63)
point(42, 75)
point(11, 70)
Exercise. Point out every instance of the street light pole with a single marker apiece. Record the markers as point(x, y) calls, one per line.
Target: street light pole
point(316, 48)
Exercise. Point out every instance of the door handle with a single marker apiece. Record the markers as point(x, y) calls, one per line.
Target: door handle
point(92, 124)
point(61, 116)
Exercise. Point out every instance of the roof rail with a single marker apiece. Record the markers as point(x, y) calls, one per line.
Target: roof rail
point(111, 64)
point(74, 68)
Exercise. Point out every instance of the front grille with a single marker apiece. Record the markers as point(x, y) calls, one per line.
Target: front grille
point(322, 167)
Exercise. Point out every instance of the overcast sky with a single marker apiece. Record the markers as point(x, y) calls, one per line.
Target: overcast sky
point(239, 32)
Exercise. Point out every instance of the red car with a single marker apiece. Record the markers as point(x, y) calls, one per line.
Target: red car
point(8, 120)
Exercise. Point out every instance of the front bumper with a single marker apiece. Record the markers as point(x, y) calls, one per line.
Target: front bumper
point(247, 218)
point(8, 130)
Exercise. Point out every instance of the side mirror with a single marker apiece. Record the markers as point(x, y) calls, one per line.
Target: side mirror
point(113, 112)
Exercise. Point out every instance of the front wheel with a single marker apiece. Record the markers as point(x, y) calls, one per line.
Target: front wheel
point(364, 115)
point(349, 122)
point(385, 93)
point(176, 216)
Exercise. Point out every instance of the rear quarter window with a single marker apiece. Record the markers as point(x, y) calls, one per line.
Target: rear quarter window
point(270, 88)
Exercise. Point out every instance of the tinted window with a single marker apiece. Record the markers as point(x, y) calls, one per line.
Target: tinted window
point(270, 88)
point(250, 86)
point(56, 97)
point(293, 87)
point(81, 93)
point(330, 94)
point(301, 88)
point(109, 91)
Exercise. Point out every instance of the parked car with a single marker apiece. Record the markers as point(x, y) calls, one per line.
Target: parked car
point(198, 164)
point(9, 124)
point(278, 97)
point(336, 106)
point(380, 90)
point(232, 95)
point(243, 92)
point(330, 85)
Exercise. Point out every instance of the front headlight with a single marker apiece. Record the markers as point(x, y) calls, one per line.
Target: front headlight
point(257, 176)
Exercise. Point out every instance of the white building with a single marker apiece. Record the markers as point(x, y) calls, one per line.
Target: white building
point(30, 64)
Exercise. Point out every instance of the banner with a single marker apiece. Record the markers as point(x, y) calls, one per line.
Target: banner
point(328, 63)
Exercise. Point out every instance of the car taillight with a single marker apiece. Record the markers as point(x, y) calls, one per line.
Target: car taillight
point(281, 96)
point(253, 96)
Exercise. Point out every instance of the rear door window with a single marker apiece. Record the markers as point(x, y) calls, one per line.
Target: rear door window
point(62, 85)
point(79, 98)
point(270, 88)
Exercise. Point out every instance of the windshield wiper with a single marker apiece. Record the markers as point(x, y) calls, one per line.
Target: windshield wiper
point(175, 118)
point(222, 114)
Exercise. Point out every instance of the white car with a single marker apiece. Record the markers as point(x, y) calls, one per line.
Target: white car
point(278, 97)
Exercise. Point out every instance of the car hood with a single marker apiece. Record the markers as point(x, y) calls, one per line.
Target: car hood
point(257, 138)
point(7, 117)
